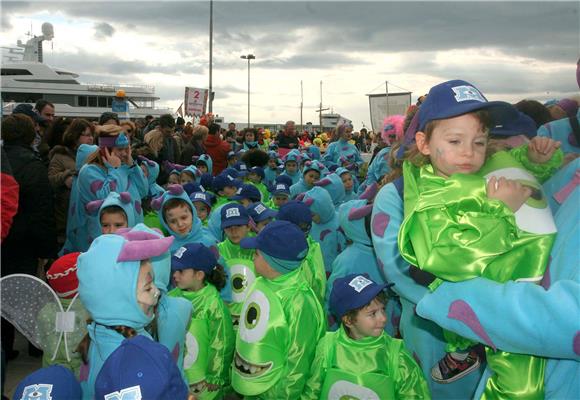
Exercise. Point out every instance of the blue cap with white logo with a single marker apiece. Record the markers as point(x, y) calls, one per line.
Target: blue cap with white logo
point(234, 214)
point(259, 212)
point(454, 98)
point(352, 292)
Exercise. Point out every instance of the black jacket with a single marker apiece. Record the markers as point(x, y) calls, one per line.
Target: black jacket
point(33, 233)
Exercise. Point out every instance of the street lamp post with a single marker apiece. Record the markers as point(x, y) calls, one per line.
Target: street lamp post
point(248, 57)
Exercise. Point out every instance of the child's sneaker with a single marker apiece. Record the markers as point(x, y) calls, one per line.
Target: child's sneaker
point(450, 369)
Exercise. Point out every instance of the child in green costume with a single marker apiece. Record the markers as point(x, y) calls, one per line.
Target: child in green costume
point(360, 360)
point(238, 261)
point(281, 320)
point(210, 337)
point(457, 226)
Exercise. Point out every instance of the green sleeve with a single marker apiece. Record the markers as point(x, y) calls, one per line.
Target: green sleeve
point(451, 228)
point(221, 346)
point(542, 172)
point(317, 372)
point(304, 318)
point(409, 380)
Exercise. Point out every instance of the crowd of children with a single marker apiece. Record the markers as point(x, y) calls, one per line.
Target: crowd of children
point(305, 277)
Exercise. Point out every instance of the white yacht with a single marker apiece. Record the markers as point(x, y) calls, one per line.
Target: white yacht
point(30, 80)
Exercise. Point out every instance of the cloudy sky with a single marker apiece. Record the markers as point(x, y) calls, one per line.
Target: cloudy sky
point(510, 50)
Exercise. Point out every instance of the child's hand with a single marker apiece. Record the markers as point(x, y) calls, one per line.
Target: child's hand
point(511, 192)
point(112, 159)
point(541, 149)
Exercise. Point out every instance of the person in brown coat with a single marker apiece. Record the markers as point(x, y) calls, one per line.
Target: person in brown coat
point(62, 168)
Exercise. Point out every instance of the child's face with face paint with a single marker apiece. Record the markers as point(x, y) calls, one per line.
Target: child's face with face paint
point(147, 292)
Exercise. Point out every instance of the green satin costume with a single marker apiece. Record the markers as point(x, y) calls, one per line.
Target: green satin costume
point(373, 368)
point(314, 271)
point(209, 342)
point(280, 325)
point(241, 273)
point(454, 231)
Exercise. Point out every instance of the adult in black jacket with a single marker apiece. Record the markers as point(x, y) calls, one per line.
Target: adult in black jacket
point(288, 138)
point(33, 232)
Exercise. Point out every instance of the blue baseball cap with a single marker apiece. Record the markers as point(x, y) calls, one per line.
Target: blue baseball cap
point(280, 188)
point(234, 173)
point(296, 212)
point(284, 179)
point(242, 168)
point(247, 191)
point(223, 180)
point(454, 98)
point(259, 212)
point(206, 181)
point(54, 382)
point(279, 239)
point(234, 214)
point(231, 154)
point(522, 125)
point(191, 187)
point(352, 292)
point(142, 369)
point(195, 256)
point(202, 197)
point(258, 171)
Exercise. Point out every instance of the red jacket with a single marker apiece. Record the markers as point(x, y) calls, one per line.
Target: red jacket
point(218, 150)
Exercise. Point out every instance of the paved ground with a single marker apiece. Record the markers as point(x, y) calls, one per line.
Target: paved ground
point(23, 365)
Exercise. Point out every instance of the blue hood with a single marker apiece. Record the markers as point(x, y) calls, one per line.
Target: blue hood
point(333, 185)
point(314, 152)
point(153, 168)
point(161, 264)
point(107, 287)
point(208, 161)
point(83, 152)
point(197, 234)
point(122, 200)
point(196, 173)
point(351, 216)
point(320, 203)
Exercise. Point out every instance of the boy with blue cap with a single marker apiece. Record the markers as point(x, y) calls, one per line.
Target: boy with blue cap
point(225, 186)
point(257, 177)
point(235, 223)
point(261, 215)
point(281, 320)
point(210, 339)
point(247, 194)
point(461, 201)
point(360, 360)
point(202, 203)
point(280, 195)
point(139, 369)
point(314, 272)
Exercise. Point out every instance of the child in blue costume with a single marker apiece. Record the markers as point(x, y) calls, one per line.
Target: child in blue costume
point(325, 229)
point(204, 161)
point(291, 166)
point(151, 171)
point(310, 175)
point(349, 183)
point(271, 170)
point(109, 212)
point(76, 214)
point(210, 336)
point(332, 183)
point(314, 152)
point(116, 287)
point(358, 257)
point(360, 360)
point(172, 315)
point(343, 148)
point(563, 131)
point(202, 203)
point(471, 309)
point(111, 169)
point(178, 217)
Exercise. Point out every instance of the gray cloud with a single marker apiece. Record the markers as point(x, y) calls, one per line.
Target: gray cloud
point(104, 30)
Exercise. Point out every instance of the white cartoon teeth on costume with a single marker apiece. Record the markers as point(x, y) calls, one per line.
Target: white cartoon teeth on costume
point(248, 369)
point(342, 390)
